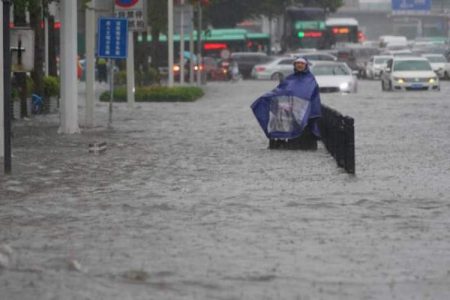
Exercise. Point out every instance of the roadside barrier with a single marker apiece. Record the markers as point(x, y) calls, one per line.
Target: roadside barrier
point(338, 136)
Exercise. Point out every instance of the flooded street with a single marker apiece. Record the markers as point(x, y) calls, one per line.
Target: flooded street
point(187, 202)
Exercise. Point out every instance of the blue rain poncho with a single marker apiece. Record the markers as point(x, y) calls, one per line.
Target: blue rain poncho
point(294, 104)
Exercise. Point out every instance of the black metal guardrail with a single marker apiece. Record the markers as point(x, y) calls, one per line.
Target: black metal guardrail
point(338, 136)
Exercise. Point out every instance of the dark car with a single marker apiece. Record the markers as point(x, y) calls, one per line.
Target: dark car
point(357, 57)
point(247, 60)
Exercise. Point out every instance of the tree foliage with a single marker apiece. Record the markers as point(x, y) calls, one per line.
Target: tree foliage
point(227, 13)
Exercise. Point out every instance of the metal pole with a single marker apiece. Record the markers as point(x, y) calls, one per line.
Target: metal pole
point(46, 44)
point(111, 91)
point(170, 41)
point(199, 43)
point(2, 131)
point(182, 43)
point(191, 62)
point(130, 70)
point(7, 86)
point(90, 64)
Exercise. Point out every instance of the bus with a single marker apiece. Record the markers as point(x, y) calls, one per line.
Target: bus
point(258, 42)
point(304, 27)
point(214, 41)
point(234, 40)
point(342, 30)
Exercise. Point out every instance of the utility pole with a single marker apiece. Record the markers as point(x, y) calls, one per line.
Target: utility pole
point(69, 92)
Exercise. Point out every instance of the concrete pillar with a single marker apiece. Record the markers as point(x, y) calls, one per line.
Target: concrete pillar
point(68, 63)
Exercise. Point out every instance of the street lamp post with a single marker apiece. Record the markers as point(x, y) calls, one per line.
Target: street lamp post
point(7, 86)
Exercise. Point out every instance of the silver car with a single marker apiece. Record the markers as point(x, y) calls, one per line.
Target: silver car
point(334, 77)
point(375, 66)
point(276, 69)
point(439, 64)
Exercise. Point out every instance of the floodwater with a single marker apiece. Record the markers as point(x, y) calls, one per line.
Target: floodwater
point(187, 202)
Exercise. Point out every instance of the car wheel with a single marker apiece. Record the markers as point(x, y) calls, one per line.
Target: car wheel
point(277, 76)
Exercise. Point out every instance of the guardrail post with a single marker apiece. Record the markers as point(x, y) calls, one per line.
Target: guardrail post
point(338, 136)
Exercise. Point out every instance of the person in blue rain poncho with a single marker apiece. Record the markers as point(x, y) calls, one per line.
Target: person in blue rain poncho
point(289, 114)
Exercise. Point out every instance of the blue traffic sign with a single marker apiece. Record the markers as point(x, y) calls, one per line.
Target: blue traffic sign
point(411, 5)
point(112, 37)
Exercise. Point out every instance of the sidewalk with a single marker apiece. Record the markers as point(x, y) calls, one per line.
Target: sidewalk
point(187, 202)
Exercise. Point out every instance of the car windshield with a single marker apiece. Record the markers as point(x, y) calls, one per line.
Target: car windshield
point(436, 59)
point(381, 60)
point(330, 70)
point(412, 65)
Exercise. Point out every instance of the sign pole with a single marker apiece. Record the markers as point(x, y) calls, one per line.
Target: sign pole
point(112, 44)
point(130, 70)
point(7, 86)
point(111, 91)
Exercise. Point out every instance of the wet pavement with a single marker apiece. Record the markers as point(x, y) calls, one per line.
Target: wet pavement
point(187, 202)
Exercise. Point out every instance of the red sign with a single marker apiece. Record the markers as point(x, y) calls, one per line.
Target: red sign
point(126, 3)
point(313, 34)
point(214, 46)
point(341, 30)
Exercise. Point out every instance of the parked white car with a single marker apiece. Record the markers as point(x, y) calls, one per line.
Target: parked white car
point(334, 77)
point(410, 74)
point(439, 64)
point(376, 65)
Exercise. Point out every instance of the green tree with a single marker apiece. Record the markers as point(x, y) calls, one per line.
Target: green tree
point(157, 19)
point(330, 6)
point(227, 13)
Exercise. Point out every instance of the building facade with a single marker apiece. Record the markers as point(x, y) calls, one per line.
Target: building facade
point(377, 18)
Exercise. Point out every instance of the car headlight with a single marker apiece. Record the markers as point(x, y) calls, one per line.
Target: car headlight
point(399, 80)
point(432, 80)
point(344, 86)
